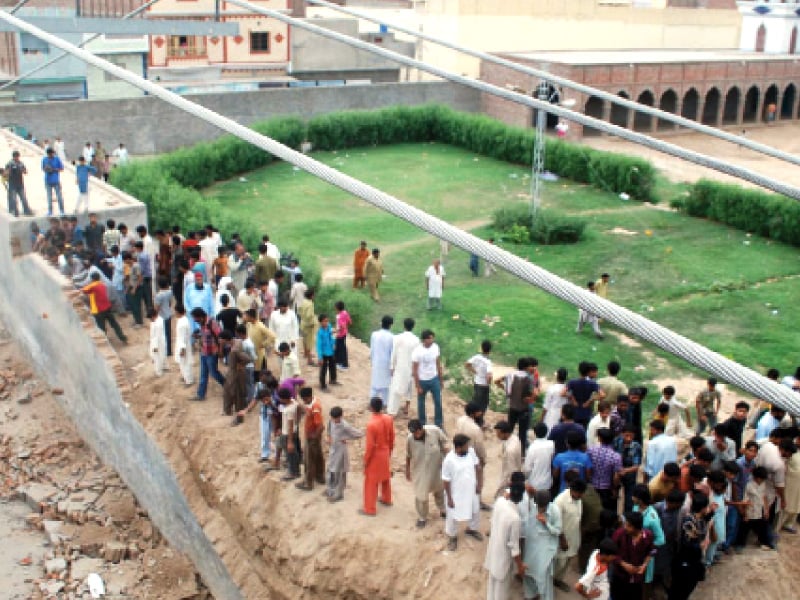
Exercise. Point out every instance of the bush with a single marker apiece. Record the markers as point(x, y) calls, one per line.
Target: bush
point(515, 215)
point(517, 226)
point(359, 306)
point(754, 211)
point(550, 228)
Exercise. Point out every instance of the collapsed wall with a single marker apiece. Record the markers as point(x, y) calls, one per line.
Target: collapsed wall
point(49, 320)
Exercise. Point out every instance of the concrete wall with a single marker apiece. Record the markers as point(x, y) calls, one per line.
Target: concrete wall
point(36, 306)
point(147, 125)
point(102, 86)
point(314, 53)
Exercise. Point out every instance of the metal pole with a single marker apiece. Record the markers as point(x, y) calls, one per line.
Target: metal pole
point(17, 6)
point(538, 151)
point(55, 59)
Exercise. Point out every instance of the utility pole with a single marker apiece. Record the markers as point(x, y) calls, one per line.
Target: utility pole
point(539, 150)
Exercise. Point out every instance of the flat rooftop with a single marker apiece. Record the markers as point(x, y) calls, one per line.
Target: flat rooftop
point(613, 57)
point(103, 198)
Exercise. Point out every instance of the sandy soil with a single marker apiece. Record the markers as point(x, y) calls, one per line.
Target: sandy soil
point(783, 136)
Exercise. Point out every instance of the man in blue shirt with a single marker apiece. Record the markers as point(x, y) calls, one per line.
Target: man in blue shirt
point(771, 420)
point(661, 450)
point(52, 167)
point(573, 459)
point(82, 171)
point(583, 392)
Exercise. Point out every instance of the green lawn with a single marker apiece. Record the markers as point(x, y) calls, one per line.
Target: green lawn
point(712, 283)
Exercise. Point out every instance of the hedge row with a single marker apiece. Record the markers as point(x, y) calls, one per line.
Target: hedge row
point(199, 166)
point(768, 215)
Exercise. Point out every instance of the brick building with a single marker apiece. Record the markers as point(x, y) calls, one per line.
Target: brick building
point(718, 88)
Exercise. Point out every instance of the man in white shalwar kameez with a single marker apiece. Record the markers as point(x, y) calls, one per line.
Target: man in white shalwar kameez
point(425, 448)
point(283, 323)
point(380, 355)
point(570, 504)
point(462, 478)
point(502, 551)
point(542, 534)
point(183, 345)
point(510, 454)
point(158, 344)
point(402, 386)
point(434, 283)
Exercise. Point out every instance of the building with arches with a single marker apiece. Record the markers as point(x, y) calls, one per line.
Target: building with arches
point(719, 88)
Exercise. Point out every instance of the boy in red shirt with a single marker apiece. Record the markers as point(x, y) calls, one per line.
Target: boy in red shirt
point(100, 306)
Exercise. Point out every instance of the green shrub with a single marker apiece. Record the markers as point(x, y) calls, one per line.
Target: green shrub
point(514, 215)
point(754, 211)
point(359, 305)
point(551, 228)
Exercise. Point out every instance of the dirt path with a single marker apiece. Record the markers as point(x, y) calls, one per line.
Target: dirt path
point(340, 268)
point(783, 136)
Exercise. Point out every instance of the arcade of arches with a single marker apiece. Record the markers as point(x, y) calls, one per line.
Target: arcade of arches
point(715, 105)
point(720, 88)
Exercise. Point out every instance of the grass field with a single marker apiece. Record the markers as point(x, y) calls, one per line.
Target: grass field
point(735, 293)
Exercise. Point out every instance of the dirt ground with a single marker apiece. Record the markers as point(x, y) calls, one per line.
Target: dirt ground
point(783, 136)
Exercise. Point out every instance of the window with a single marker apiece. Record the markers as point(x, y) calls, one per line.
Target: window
point(186, 46)
point(259, 41)
point(32, 46)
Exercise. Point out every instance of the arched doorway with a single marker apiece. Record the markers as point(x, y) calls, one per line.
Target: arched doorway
point(787, 104)
point(793, 41)
point(711, 107)
point(668, 103)
point(751, 105)
point(643, 121)
point(594, 107)
point(691, 100)
point(761, 38)
point(730, 111)
point(619, 114)
point(770, 110)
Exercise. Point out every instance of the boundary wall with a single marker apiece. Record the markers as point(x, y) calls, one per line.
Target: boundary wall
point(148, 125)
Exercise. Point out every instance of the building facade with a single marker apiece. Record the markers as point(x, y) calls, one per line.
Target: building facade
point(259, 52)
point(721, 89)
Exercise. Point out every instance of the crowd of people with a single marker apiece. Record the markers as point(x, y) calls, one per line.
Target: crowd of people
point(578, 481)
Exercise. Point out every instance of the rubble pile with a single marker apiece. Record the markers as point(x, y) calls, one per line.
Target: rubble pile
point(89, 520)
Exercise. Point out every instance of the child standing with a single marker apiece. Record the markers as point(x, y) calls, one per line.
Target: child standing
point(158, 343)
point(312, 455)
point(718, 483)
point(480, 366)
point(290, 440)
point(325, 350)
point(755, 516)
point(594, 583)
point(264, 389)
point(339, 431)
point(343, 322)
point(183, 345)
point(82, 171)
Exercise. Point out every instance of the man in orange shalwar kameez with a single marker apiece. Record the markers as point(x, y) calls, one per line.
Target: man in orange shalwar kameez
point(377, 458)
point(359, 258)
